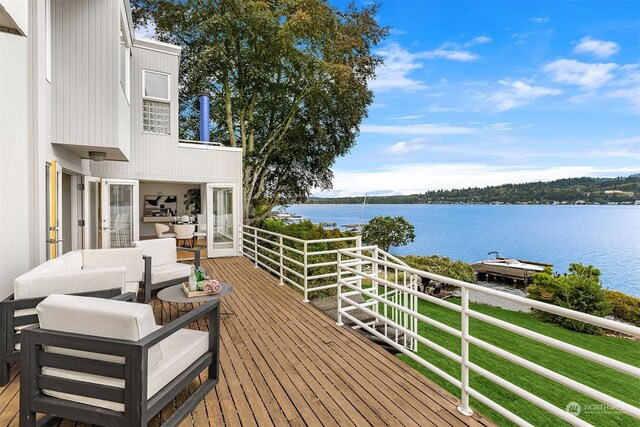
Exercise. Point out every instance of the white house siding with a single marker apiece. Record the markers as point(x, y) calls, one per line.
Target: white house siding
point(158, 157)
point(85, 74)
point(14, 161)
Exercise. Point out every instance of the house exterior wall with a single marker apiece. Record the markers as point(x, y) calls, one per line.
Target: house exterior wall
point(161, 157)
point(87, 95)
point(14, 160)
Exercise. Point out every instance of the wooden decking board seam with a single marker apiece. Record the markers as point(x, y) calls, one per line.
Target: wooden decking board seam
point(419, 415)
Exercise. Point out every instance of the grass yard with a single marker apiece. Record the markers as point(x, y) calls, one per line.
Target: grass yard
point(621, 386)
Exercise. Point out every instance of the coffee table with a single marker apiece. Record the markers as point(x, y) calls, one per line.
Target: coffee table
point(174, 295)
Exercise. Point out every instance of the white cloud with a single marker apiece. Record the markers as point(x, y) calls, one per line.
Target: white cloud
point(519, 93)
point(623, 147)
point(629, 94)
point(409, 117)
point(420, 177)
point(394, 74)
point(505, 127)
point(454, 55)
point(406, 146)
point(482, 40)
point(417, 129)
point(598, 48)
point(540, 19)
point(587, 76)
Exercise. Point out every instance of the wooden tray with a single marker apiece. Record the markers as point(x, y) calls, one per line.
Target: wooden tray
point(192, 294)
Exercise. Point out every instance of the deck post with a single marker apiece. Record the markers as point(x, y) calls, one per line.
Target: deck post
point(359, 252)
point(255, 247)
point(339, 289)
point(306, 271)
point(464, 408)
point(281, 261)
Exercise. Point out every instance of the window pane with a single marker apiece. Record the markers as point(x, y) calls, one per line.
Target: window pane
point(155, 117)
point(156, 85)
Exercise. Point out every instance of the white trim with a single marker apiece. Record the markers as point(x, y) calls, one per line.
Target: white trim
point(156, 46)
point(152, 98)
point(48, 41)
point(206, 147)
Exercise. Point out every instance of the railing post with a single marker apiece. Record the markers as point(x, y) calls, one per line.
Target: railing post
point(339, 290)
point(306, 281)
point(359, 252)
point(374, 267)
point(281, 261)
point(464, 408)
point(255, 247)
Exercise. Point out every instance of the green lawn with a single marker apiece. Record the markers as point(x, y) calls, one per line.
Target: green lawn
point(621, 386)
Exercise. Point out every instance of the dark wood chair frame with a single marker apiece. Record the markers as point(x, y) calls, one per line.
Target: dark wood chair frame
point(138, 410)
point(9, 337)
point(148, 287)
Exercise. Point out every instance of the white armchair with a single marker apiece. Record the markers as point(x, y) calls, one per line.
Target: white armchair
point(162, 231)
point(128, 370)
point(202, 228)
point(161, 266)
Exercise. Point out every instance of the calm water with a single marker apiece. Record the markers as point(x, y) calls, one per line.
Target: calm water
point(607, 237)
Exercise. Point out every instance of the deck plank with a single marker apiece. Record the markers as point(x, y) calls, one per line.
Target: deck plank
point(283, 362)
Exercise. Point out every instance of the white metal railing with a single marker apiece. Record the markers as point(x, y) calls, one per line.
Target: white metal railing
point(385, 274)
point(309, 265)
point(200, 143)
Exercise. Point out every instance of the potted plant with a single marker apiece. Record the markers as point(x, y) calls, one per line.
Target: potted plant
point(192, 201)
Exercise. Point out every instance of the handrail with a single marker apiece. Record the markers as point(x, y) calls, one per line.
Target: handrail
point(395, 300)
point(276, 253)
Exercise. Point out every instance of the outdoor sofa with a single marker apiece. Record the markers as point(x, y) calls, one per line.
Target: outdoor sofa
point(104, 273)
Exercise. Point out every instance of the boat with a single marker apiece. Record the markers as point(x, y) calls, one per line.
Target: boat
point(498, 267)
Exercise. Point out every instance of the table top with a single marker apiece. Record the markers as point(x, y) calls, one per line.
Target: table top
point(175, 294)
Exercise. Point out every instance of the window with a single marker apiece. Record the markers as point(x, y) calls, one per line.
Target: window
point(156, 102)
point(125, 59)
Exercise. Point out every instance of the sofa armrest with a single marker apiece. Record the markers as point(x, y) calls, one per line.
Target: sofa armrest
point(196, 253)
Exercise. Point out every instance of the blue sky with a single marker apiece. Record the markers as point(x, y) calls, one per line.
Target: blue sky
point(477, 93)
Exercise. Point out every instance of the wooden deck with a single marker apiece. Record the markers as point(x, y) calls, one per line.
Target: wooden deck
point(287, 363)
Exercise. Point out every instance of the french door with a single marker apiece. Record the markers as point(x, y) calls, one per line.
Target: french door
point(222, 220)
point(92, 231)
point(120, 208)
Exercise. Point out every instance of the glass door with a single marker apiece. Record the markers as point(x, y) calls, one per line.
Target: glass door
point(120, 212)
point(222, 226)
point(91, 230)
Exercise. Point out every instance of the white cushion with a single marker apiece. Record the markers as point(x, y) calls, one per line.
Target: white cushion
point(31, 285)
point(163, 273)
point(55, 265)
point(131, 258)
point(161, 251)
point(179, 351)
point(98, 317)
point(73, 260)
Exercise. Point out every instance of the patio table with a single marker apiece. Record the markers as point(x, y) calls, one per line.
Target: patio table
point(174, 295)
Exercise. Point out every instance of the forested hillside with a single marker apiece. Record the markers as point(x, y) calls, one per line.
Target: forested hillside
point(623, 190)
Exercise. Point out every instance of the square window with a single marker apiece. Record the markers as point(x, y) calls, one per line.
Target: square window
point(156, 117)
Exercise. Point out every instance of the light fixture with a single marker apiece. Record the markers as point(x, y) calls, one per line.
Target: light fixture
point(97, 156)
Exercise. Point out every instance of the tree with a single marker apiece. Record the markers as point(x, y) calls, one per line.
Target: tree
point(387, 231)
point(288, 80)
point(579, 290)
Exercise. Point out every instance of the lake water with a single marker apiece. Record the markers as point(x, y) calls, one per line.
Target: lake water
point(607, 237)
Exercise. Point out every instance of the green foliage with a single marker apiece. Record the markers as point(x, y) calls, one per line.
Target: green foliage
point(387, 231)
point(579, 290)
point(192, 201)
point(624, 307)
point(288, 81)
point(443, 266)
point(572, 190)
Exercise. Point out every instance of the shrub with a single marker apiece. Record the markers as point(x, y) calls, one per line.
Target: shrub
point(579, 290)
point(624, 307)
point(441, 265)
